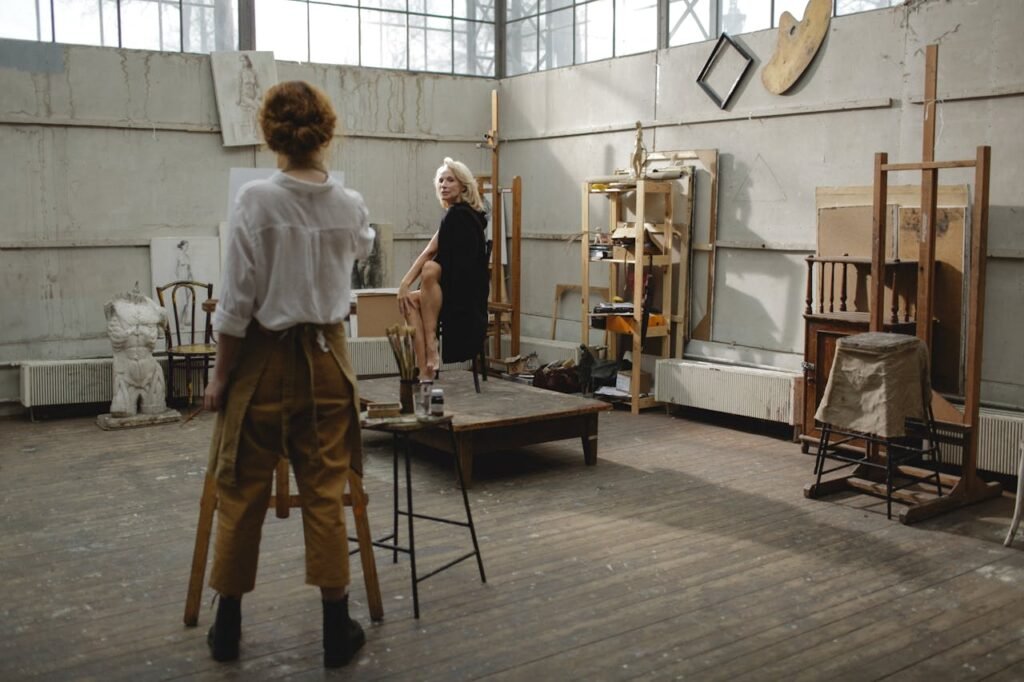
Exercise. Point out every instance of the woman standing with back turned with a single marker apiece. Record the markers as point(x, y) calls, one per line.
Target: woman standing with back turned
point(282, 381)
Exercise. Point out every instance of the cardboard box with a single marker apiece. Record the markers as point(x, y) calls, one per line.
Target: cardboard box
point(376, 310)
point(622, 381)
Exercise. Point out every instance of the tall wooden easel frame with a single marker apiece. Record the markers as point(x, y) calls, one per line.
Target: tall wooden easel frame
point(968, 488)
point(497, 305)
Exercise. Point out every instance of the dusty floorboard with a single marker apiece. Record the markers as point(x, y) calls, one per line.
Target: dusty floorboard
point(688, 552)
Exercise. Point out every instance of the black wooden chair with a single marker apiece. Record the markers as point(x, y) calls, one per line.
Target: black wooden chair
point(188, 331)
point(479, 361)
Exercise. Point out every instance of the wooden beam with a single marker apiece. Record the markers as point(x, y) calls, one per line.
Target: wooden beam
point(877, 295)
point(929, 190)
point(497, 274)
point(929, 165)
point(703, 329)
point(584, 266)
point(515, 261)
point(976, 312)
point(639, 236)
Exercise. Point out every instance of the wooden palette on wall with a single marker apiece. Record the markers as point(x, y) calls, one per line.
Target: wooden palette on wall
point(798, 43)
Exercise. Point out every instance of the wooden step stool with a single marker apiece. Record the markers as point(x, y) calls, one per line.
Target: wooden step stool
point(282, 502)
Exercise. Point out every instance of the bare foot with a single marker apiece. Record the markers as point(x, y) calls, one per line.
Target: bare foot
point(434, 361)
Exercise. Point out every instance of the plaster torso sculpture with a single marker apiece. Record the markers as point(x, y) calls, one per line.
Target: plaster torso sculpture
point(133, 323)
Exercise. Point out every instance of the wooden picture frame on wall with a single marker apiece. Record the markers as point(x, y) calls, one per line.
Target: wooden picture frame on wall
point(719, 55)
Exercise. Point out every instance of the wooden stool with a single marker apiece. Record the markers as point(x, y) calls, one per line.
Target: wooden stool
point(282, 502)
point(878, 396)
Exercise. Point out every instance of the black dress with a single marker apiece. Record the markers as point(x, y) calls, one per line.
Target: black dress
point(462, 255)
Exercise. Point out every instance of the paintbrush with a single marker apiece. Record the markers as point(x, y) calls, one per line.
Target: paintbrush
point(192, 416)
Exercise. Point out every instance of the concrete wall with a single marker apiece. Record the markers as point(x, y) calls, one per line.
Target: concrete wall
point(111, 148)
point(861, 95)
point(106, 149)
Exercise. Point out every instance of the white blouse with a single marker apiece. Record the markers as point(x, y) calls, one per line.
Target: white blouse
point(291, 248)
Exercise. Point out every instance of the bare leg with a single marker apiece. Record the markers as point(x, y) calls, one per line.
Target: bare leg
point(430, 308)
point(415, 320)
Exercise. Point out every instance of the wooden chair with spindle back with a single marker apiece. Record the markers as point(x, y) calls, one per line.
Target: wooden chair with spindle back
point(188, 303)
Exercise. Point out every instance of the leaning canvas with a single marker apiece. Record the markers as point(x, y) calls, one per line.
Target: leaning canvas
point(374, 272)
point(240, 176)
point(239, 81)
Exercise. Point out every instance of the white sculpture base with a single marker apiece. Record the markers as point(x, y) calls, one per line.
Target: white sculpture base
point(109, 422)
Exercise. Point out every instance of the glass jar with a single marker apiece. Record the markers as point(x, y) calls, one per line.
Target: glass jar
point(423, 398)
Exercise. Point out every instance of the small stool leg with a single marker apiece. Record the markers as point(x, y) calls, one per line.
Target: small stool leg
point(204, 528)
point(933, 445)
point(358, 499)
point(412, 537)
point(476, 378)
point(465, 502)
point(394, 496)
point(819, 460)
point(889, 466)
point(1019, 504)
point(170, 380)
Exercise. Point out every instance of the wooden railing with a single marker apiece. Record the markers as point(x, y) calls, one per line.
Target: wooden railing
point(830, 293)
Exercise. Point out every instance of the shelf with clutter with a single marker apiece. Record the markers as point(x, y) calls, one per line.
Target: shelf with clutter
point(646, 252)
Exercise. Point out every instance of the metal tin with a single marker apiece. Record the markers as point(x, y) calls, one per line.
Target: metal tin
point(437, 402)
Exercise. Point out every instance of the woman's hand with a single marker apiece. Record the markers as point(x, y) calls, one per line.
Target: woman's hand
point(228, 350)
point(404, 299)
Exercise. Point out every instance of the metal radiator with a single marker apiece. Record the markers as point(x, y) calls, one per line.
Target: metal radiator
point(73, 382)
point(66, 382)
point(744, 391)
point(371, 356)
point(999, 441)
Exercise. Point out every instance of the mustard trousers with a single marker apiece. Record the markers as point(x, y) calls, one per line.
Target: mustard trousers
point(302, 408)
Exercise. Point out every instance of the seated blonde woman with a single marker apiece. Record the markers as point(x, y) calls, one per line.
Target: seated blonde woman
point(453, 276)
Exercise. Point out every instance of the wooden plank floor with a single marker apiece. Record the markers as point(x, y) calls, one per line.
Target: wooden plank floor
point(687, 552)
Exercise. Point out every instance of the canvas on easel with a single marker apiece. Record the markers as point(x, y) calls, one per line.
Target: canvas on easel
point(374, 271)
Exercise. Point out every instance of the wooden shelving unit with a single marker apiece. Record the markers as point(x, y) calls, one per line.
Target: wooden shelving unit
point(648, 246)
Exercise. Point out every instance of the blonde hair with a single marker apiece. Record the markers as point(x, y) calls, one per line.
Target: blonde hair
point(470, 193)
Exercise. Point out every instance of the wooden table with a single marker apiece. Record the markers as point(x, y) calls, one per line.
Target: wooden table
point(503, 416)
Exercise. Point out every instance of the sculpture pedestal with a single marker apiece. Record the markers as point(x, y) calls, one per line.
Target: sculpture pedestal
point(109, 422)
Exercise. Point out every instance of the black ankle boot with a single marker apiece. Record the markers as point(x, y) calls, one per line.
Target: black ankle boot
point(342, 636)
point(226, 629)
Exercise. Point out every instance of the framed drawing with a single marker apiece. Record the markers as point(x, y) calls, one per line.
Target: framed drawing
point(239, 81)
point(194, 259)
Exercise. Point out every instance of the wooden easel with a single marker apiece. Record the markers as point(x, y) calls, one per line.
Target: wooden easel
point(282, 502)
point(966, 488)
point(498, 306)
